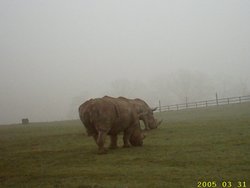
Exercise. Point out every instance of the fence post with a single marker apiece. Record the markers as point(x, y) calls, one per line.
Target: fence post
point(199, 104)
point(159, 105)
point(217, 102)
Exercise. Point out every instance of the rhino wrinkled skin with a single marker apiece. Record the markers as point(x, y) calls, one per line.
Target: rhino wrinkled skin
point(145, 112)
point(110, 116)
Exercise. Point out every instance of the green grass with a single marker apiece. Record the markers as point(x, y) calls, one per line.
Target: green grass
point(210, 144)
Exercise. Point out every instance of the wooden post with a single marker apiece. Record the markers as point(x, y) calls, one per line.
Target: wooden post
point(159, 105)
point(227, 100)
point(177, 107)
point(217, 102)
point(239, 99)
point(206, 103)
point(186, 102)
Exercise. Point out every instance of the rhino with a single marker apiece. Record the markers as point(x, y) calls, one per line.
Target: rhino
point(110, 116)
point(146, 113)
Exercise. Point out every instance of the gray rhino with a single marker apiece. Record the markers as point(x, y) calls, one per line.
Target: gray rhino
point(110, 116)
point(146, 113)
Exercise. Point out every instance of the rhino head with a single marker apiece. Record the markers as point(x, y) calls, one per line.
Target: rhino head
point(136, 139)
point(149, 120)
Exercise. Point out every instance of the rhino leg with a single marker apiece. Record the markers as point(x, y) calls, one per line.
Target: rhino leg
point(126, 136)
point(125, 141)
point(100, 142)
point(95, 137)
point(146, 125)
point(113, 143)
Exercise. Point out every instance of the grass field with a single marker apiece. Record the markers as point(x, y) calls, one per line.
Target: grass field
point(191, 146)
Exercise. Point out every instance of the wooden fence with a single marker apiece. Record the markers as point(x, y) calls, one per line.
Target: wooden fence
point(204, 104)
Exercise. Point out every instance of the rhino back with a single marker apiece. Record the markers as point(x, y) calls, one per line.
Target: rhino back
point(106, 114)
point(141, 103)
point(125, 115)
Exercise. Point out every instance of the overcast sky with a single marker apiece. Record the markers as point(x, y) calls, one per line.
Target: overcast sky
point(54, 54)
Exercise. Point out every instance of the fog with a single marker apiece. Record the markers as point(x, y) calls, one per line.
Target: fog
point(55, 54)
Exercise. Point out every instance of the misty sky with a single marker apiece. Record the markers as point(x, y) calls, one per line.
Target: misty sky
point(54, 54)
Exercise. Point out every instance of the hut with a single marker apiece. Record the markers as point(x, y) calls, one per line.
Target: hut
point(25, 121)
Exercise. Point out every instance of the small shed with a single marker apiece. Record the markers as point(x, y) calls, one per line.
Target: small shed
point(25, 121)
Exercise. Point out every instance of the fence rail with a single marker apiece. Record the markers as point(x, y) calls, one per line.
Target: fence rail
point(204, 104)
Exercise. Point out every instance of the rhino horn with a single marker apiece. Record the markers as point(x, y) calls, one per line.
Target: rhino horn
point(158, 122)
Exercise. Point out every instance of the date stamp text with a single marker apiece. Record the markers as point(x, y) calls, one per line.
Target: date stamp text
point(222, 184)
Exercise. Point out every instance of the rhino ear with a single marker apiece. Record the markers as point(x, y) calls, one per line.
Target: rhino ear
point(154, 109)
point(159, 122)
